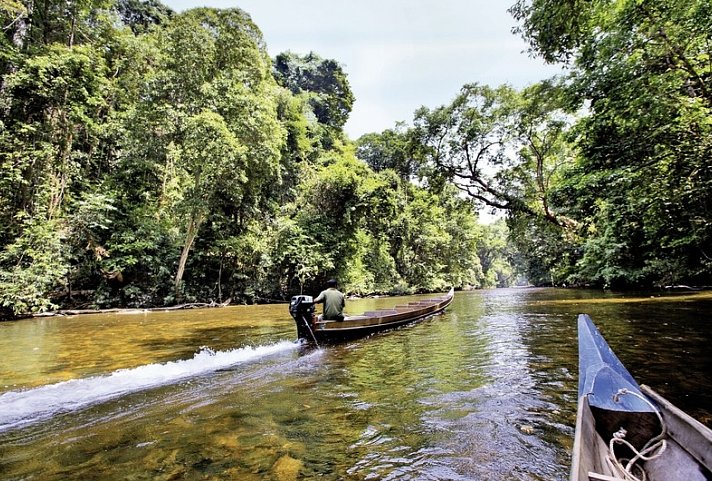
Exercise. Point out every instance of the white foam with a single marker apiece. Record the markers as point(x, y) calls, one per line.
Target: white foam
point(18, 408)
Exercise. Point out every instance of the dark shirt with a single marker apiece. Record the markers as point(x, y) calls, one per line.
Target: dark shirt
point(334, 303)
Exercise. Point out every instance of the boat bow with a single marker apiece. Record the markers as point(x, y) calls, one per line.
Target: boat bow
point(602, 377)
point(628, 433)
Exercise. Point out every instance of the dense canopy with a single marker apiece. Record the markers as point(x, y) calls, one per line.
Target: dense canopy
point(150, 157)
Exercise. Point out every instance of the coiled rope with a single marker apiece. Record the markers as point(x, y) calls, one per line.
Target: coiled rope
point(654, 448)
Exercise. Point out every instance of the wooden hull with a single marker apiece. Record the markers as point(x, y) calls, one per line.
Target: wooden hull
point(353, 327)
point(687, 455)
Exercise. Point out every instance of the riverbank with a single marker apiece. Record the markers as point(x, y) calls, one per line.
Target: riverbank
point(6, 316)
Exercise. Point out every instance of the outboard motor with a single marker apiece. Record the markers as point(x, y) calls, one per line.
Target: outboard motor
point(302, 310)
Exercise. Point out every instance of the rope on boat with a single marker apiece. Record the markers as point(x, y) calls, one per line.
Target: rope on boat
point(654, 448)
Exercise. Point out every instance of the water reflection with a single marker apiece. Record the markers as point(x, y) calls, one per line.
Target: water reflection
point(486, 391)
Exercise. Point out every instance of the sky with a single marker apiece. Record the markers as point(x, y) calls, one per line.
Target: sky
point(398, 54)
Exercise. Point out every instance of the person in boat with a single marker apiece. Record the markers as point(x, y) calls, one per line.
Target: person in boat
point(333, 300)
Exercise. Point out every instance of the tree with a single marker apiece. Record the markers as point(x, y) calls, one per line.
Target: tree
point(56, 103)
point(463, 265)
point(500, 147)
point(555, 29)
point(390, 149)
point(59, 105)
point(32, 266)
point(213, 160)
point(322, 80)
point(142, 14)
point(33, 25)
point(494, 254)
point(642, 182)
point(206, 134)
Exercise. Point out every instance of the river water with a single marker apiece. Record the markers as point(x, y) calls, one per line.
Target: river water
point(486, 391)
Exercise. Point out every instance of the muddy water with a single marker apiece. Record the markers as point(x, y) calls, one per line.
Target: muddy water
point(486, 391)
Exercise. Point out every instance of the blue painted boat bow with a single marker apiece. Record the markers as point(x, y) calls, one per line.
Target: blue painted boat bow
point(602, 376)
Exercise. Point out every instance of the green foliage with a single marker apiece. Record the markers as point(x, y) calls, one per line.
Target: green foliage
point(12, 7)
point(55, 103)
point(140, 15)
point(323, 88)
point(324, 82)
point(332, 209)
point(140, 268)
point(33, 266)
point(390, 149)
point(188, 134)
point(502, 148)
point(378, 233)
point(212, 161)
point(300, 257)
point(610, 256)
point(640, 189)
point(554, 29)
point(32, 25)
point(542, 251)
point(148, 158)
point(494, 253)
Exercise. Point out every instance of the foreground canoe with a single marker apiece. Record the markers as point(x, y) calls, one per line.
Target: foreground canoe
point(629, 432)
point(316, 331)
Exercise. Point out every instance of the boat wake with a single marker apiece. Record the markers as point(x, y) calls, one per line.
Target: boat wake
point(20, 408)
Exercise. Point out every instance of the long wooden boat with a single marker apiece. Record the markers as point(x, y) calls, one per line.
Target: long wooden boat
point(629, 432)
point(315, 331)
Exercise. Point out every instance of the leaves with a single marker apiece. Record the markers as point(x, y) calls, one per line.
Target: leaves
point(147, 155)
point(33, 266)
point(323, 81)
point(640, 186)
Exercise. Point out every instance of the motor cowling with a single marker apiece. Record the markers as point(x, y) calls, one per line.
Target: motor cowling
point(301, 306)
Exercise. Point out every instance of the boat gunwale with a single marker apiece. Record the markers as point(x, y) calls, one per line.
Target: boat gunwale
point(426, 308)
point(360, 325)
point(681, 425)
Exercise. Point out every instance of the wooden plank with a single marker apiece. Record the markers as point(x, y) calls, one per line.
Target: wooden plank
point(602, 477)
point(578, 461)
point(589, 452)
point(675, 464)
point(692, 435)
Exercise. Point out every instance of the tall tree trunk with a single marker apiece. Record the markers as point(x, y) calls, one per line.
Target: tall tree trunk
point(190, 235)
point(220, 281)
point(73, 29)
point(22, 26)
point(65, 152)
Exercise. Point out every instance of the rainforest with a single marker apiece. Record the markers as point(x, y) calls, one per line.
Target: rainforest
point(152, 158)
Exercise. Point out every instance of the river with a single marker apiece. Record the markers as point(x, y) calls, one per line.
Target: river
point(486, 391)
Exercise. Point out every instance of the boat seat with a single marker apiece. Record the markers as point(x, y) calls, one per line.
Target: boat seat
point(602, 477)
point(379, 313)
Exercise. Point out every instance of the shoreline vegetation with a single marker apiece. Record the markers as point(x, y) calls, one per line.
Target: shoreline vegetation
point(177, 307)
point(191, 305)
point(155, 158)
point(129, 310)
point(227, 303)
